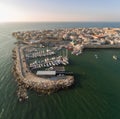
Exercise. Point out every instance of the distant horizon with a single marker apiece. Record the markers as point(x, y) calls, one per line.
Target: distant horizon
point(60, 21)
point(59, 11)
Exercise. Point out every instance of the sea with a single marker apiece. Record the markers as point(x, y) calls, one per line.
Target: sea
point(95, 94)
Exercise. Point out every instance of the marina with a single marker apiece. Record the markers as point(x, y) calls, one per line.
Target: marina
point(41, 75)
point(36, 60)
point(115, 57)
point(95, 93)
point(60, 59)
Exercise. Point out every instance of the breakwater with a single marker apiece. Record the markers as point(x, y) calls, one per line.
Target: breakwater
point(27, 80)
point(101, 46)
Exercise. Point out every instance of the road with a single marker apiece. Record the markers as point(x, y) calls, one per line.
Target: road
point(21, 63)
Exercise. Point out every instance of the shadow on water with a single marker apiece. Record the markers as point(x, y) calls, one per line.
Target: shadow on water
point(78, 81)
point(77, 84)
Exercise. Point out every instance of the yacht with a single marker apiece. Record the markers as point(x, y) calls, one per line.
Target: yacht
point(50, 64)
point(47, 64)
point(115, 57)
point(96, 56)
point(53, 63)
point(39, 66)
point(42, 65)
point(63, 63)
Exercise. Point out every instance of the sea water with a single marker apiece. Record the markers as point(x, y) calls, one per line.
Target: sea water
point(95, 94)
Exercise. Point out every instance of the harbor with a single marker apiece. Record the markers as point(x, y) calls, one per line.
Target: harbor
point(32, 75)
point(39, 64)
point(95, 93)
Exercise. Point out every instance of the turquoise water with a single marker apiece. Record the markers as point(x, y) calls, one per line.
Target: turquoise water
point(95, 95)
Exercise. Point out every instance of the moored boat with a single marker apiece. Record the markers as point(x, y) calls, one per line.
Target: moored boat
point(115, 57)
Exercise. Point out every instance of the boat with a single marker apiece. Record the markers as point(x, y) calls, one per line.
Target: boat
point(53, 63)
point(50, 64)
point(96, 56)
point(115, 57)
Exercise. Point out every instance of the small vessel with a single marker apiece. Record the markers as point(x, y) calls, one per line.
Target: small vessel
point(115, 57)
point(96, 56)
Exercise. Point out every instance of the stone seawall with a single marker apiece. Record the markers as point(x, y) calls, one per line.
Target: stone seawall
point(31, 81)
point(101, 46)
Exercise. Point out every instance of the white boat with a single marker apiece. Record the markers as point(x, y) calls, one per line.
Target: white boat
point(80, 52)
point(66, 61)
point(115, 57)
point(53, 63)
point(63, 63)
point(39, 66)
point(44, 65)
point(96, 56)
point(50, 63)
point(56, 63)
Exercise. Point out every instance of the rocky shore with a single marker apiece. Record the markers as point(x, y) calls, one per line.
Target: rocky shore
point(31, 81)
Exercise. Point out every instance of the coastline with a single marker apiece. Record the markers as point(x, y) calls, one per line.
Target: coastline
point(76, 39)
point(90, 82)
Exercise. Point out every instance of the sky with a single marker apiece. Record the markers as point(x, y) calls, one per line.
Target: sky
point(59, 10)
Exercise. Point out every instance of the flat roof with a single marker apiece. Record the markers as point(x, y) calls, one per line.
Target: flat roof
point(59, 68)
point(46, 73)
